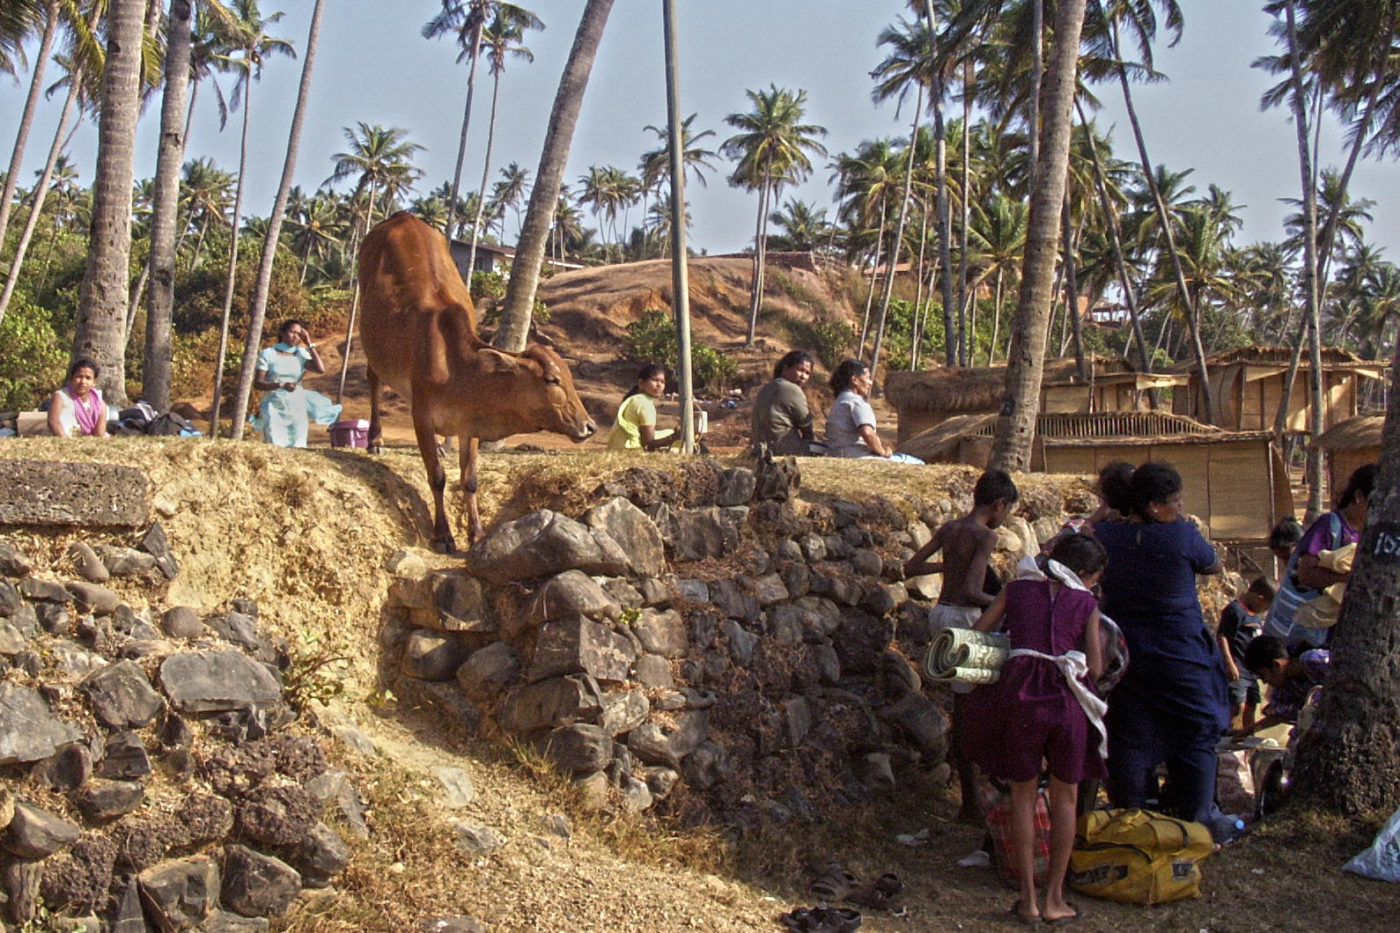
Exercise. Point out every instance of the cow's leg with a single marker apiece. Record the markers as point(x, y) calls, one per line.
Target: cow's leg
point(467, 458)
point(437, 481)
point(376, 430)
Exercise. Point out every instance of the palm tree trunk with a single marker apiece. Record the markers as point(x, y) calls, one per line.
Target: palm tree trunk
point(1072, 292)
point(462, 141)
point(996, 319)
point(1207, 400)
point(529, 254)
point(756, 277)
point(874, 274)
point(26, 120)
point(41, 193)
point(1037, 75)
point(898, 239)
point(102, 296)
point(964, 306)
point(232, 278)
point(258, 312)
point(1011, 449)
point(1115, 239)
point(156, 372)
point(485, 177)
point(940, 177)
point(1311, 267)
point(916, 342)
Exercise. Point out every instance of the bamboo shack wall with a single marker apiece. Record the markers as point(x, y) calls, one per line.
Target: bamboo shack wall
point(1247, 385)
point(1348, 445)
point(1234, 482)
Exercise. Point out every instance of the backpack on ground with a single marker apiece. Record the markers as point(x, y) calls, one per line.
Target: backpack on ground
point(1138, 856)
point(171, 425)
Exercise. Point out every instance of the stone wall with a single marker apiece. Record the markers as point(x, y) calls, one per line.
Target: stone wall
point(149, 779)
point(715, 642)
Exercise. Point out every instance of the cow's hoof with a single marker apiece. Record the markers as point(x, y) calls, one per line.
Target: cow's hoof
point(445, 545)
point(376, 448)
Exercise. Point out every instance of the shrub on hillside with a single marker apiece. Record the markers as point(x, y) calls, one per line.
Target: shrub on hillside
point(652, 339)
point(32, 364)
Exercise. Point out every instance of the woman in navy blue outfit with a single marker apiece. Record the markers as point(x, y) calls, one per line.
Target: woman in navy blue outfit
point(1173, 704)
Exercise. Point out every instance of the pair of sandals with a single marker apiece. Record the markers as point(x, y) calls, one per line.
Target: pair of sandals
point(822, 920)
point(834, 884)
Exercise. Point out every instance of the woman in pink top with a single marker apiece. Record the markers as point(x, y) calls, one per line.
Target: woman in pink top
point(77, 409)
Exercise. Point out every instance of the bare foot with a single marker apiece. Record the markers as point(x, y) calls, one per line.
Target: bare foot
point(1059, 913)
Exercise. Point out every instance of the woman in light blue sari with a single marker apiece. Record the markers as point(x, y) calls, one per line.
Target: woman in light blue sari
point(288, 407)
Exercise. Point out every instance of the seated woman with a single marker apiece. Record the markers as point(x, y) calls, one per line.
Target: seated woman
point(634, 428)
point(288, 407)
point(77, 409)
point(850, 425)
point(781, 416)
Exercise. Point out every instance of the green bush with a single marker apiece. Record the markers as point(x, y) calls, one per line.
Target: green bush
point(831, 340)
point(489, 296)
point(32, 364)
point(652, 339)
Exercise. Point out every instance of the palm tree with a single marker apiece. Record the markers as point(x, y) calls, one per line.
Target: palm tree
point(316, 231)
point(502, 39)
point(1012, 446)
point(655, 166)
point(20, 16)
point(465, 19)
point(102, 297)
point(554, 157)
point(263, 287)
point(999, 235)
point(609, 190)
point(248, 38)
point(205, 191)
point(773, 148)
point(803, 226)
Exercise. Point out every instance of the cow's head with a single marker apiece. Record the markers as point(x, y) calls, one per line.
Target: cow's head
point(540, 392)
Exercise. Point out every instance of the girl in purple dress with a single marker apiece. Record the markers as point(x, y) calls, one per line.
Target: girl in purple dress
point(1042, 710)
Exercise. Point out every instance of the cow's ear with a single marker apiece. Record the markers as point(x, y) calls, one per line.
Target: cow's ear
point(494, 361)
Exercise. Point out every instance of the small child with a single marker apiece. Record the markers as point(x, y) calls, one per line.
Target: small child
point(1290, 678)
point(1042, 709)
point(967, 545)
point(1284, 537)
point(1240, 623)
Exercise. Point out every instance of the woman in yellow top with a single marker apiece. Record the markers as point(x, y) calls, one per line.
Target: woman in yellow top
point(635, 425)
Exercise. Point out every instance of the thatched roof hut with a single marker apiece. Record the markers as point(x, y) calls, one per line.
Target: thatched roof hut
point(1235, 481)
point(928, 398)
point(1350, 444)
point(1247, 386)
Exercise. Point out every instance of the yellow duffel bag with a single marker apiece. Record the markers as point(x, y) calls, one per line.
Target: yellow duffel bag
point(1138, 857)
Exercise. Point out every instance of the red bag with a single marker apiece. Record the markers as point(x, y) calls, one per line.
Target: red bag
point(997, 806)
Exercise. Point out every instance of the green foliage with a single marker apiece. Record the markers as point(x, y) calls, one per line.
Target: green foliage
point(831, 340)
point(33, 362)
point(309, 675)
point(652, 339)
point(489, 295)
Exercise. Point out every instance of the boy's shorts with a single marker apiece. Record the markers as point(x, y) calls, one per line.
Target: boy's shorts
point(1244, 692)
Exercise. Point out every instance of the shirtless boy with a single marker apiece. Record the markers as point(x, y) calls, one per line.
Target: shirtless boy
point(966, 544)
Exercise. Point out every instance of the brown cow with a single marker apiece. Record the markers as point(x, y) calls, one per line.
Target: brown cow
point(418, 331)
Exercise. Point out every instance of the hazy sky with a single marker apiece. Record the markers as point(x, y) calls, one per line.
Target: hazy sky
point(374, 66)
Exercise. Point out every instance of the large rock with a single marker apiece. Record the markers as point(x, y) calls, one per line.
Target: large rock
point(180, 893)
point(550, 703)
point(13, 561)
point(460, 603)
point(861, 640)
point(257, 885)
point(543, 543)
point(489, 672)
point(623, 712)
point(702, 533)
point(45, 492)
point(217, 680)
point(121, 697)
point(156, 544)
point(36, 833)
point(29, 730)
point(571, 593)
point(634, 532)
point(102, 800)
point(579, 748)
point(661, 633)
point(125, 561)
point(98, 600)
point(570, 646)
point(433, 655)
point(667, 743)
point(320, 856)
